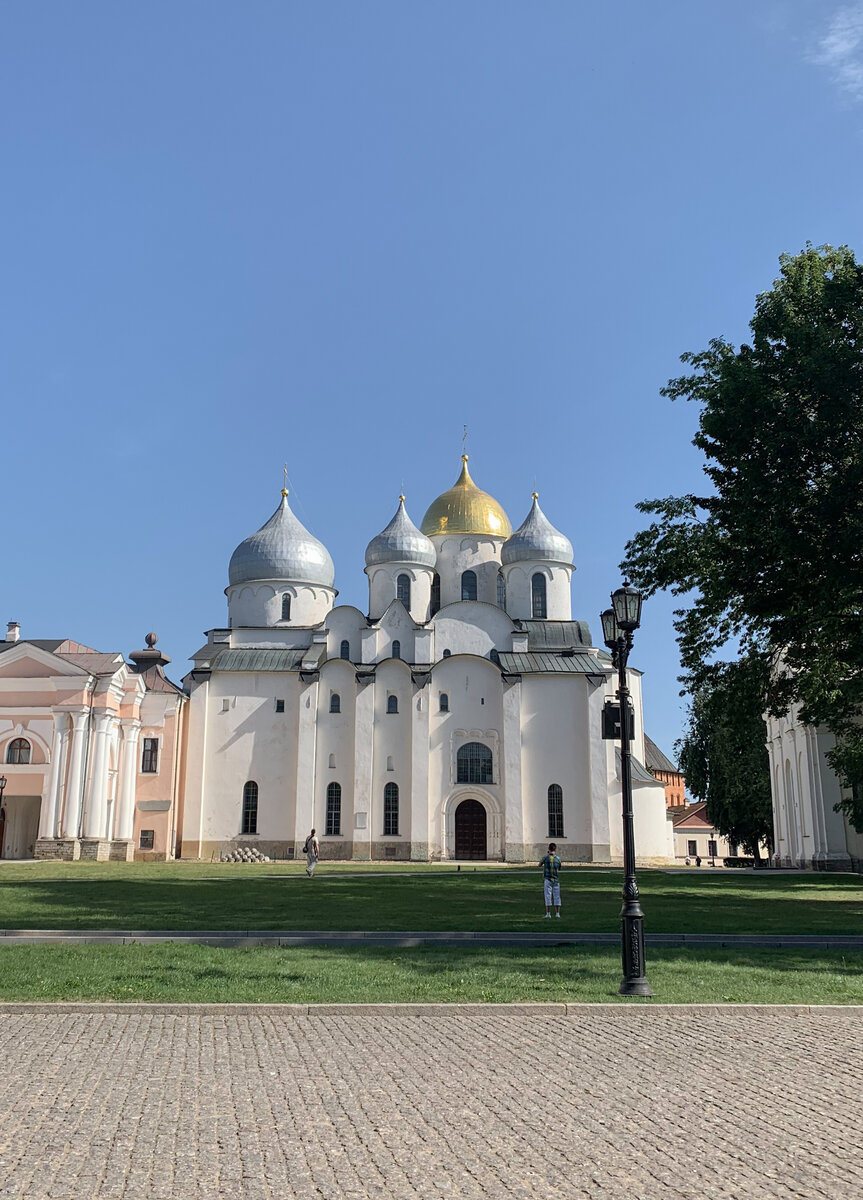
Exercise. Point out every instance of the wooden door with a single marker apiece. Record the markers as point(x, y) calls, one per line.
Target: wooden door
point(470, 830)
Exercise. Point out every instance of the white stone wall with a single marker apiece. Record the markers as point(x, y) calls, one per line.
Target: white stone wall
point(259, 604)
point(519, 594)
point(457, 553)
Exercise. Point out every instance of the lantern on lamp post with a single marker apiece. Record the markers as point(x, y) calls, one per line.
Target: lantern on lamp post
point(619, 623)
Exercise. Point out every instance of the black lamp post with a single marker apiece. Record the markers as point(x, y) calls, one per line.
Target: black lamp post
point(618, 625)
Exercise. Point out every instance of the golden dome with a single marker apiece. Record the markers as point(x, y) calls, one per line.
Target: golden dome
point(466, 509)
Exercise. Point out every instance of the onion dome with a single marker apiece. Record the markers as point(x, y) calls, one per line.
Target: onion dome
point(282, 549)
point(537, 540)
point(401, 542)
point(465, 508)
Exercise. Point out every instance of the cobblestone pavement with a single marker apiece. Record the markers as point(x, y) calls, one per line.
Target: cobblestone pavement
point(616, 1102)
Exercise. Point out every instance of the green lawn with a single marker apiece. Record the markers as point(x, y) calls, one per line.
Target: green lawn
point(368, 974)
point(213, 896)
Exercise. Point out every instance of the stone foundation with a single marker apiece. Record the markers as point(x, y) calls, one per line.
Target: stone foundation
point(121, 851)
point(95, 850)
point(66, 849)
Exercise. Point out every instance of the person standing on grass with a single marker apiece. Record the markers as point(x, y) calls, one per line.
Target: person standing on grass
point(311, 849)
point(551, 881)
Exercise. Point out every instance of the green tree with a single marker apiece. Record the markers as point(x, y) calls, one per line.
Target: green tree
point(772, 553)
point(723, 755)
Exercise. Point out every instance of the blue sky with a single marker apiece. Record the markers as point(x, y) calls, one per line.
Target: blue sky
point(333, 234)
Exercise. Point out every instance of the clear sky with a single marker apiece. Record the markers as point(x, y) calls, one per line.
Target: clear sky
point(332, 234)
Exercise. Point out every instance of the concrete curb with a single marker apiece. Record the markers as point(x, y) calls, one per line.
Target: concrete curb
point(541, 1009)
point(248, 938)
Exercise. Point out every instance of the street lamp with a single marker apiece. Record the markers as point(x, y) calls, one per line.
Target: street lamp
point(618, 625)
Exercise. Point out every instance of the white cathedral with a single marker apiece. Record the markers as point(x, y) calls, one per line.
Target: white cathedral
point(459, 718)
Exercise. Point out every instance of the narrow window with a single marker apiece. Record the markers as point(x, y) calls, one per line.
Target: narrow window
point(692, 849)
point(226, 705)
point(332, 762)
point(444, 702)
point(18, 751)
point(390, 766)
point(286, 607)
point(335, 703)
point(334, 810)
point(345, 650)
point(403, 590)
point(392, 704)
point(434, 604)
point(150, 756)
point(501, 590)
point(280, 706)
point(250, 807)
point(447, 653)
point(711, 848)
point(537, 589)
point(555, 811)
point(494, 656)
point(473, 764)
point(391, 810)
point(397, 649)
point(148, 838)
point(468, 585)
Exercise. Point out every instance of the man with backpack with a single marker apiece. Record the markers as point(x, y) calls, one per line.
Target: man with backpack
point(311, 851)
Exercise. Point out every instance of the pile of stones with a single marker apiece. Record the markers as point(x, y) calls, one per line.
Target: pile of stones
point(245, 854)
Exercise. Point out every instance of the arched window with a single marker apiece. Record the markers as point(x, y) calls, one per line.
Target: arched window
point(473, 764)
point(444, 702)
point(392, 704)
point(447, 653)
point(537, 592)
point(334, 810)
point(390, 766)
point(335, 703)
point(397, 649)
point(494, 656)
point(501, 590)
point(468, 585)
point(286, 607)
point(403, 590)
point(555, 810)
point(332, 762)
point(434, 605)
point(250, 807)
point(391, 810)
point(345, 650)
point(18, 751)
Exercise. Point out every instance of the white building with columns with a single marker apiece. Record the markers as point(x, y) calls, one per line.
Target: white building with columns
point(808, 831)
point(459, 717)
point(89, 751)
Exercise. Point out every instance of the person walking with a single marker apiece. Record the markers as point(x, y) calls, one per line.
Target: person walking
point(551, 881)
point(311, 849)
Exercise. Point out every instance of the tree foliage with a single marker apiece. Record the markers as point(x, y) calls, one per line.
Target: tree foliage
point(771, 555)
point(723, 755)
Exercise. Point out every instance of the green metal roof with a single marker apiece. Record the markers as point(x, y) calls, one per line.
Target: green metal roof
point(555, 635)
point(549, 664)
point(258, 660)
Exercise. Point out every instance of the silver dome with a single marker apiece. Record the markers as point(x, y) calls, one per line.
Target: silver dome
point(282, 549)
point(401, 542)
point(537, 540)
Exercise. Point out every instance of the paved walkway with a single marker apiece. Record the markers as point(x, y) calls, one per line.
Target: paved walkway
point(618, 1103)
point(397, 938)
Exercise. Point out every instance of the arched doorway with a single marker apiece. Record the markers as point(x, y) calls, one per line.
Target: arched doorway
point(470, 830)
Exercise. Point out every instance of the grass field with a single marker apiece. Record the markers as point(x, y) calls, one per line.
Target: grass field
point(214, 896)
point(367, 974)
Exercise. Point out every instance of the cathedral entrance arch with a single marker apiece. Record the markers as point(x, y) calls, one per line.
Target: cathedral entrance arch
point(471, 836)
point(472, 824)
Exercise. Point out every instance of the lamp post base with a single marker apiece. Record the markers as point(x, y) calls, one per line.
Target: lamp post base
point(635, 987)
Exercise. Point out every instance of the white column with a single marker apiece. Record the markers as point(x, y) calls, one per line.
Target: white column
point(51, 802)
point(95, 809)
point(130, 732)
point(364, 746)
point(306, 741)
point(509, 765)
point(420, 810)
point(75, 780)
